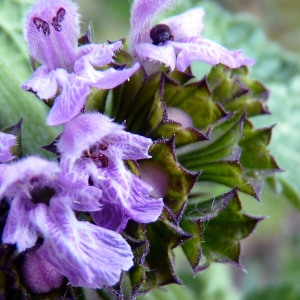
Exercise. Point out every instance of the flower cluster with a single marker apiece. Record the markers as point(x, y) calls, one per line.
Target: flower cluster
point(116, 192)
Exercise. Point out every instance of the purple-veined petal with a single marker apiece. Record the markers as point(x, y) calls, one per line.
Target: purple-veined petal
point(82, 133)
point(163, 53)
point(71, 100)
point(6, 142)
point(18, 228)
point(142, 14)
point(106, 79)
point(112, 216)
point(88, 255)
point(197, 48)
point(42, 82)
point(127, 195)
point(143, 208)
point(189, 23)
point(131, 146)
point(17, 175)
point(52, 43)
point(82, 196)
point(97, 55)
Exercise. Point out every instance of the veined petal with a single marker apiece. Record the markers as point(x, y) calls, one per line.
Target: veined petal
point(107, 79)
point(143, 208)
point(189, 23)
point(97, 55)
point(51, 32)
point(18, 175)
point(197, 48)
point(71, 100)
point(82, 133)
point(18, 228)
point(131, 146)
point(164, 53)
point(142, 14)
point(42, 82)
point(125, 196)
point(88, 255)
point(112, 216)
point(6, 142)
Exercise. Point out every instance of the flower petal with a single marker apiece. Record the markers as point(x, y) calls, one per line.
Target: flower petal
point(189, 23)
point(97, 55)
point(82, 133)
point(42, 82)
point(52, 47)
point(143, 208)
point(90, 256)
point(71, 100)
point(17, 176)
point(127, 197)
point(197, 48)
point(162, 53)
point(112, 216)
point(107, 79)
point(131, 146)
point(18, 228)
point(142, 14)
point(6, 142)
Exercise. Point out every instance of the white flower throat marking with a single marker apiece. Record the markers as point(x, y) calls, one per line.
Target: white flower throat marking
point(43, 26)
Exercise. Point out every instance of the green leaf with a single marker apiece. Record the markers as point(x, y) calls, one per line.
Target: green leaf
point(255, 154)
point(181, 180)
point(13, 49)
point(194, 99)
point(217, 158)
point(15, 105)
point(236, 92)
point(163, 237)
point(222, 234)
point(221, 225)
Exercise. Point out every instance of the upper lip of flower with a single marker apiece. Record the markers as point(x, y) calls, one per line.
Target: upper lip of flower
point(52, 32)
point(180, 43)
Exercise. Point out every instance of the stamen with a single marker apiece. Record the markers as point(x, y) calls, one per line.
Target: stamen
point(160, 34)
point(41, 25)
point(98, 157)
point(59, 18)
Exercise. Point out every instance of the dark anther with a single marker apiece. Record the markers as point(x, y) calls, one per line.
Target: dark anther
point(59, 18)
point(98, 156)
point(41, 25)
point(161, 33)
point(102, 158)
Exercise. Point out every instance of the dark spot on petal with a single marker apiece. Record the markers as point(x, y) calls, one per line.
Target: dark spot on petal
point(58, 19)
point(41, 25)
point(161, 33)
point(91, 182)
point(60, 14)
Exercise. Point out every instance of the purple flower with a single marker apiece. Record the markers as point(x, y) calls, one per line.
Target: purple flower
point(176, 41)
point(52, 32)
point(91, 145)
point(6, 142)
point(40, 205)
